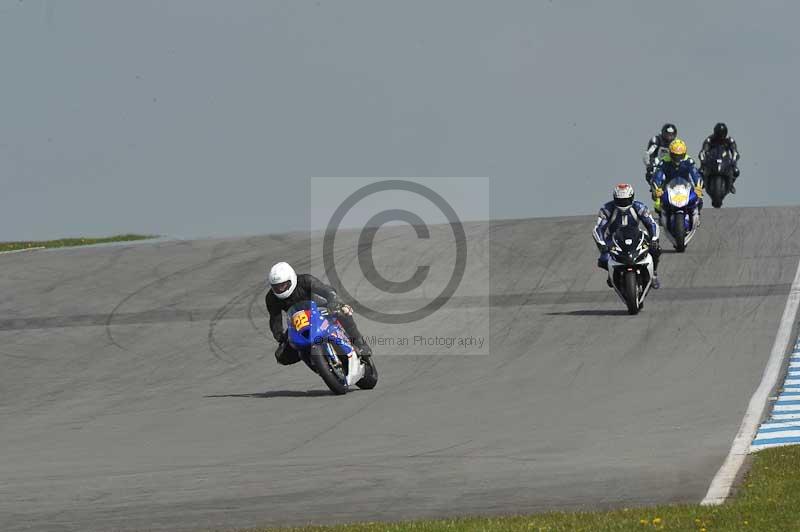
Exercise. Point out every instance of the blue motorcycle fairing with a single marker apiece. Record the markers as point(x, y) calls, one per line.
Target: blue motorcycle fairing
point(687, 210)
point(310, 324)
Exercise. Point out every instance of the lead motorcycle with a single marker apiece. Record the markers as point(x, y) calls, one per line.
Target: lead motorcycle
point(630, 266)
point(322, 344)
point(717, 172)
point(680, 212)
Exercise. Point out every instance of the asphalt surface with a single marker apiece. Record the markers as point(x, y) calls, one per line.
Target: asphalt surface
point(138, 388)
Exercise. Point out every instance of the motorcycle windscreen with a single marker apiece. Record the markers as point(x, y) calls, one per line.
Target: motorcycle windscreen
point(718, 160)
point(629, 243)
point(679, 192)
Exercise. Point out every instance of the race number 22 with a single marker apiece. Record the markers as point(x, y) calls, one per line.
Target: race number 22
point(300, 320)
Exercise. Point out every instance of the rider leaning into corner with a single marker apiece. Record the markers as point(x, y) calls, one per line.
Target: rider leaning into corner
point(676, 164)
point(624, 210)
point(720, 138)
point(288, 288)
point(658, 147)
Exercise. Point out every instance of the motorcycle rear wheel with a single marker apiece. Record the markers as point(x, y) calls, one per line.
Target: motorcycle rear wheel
point(370, 378)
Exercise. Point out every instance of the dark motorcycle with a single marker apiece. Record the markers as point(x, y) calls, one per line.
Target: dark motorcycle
point(652, 167)
point(717, 172)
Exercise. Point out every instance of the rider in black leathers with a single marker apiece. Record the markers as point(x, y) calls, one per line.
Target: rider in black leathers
point(307, 287)
point(720, 138)
point(657, 147)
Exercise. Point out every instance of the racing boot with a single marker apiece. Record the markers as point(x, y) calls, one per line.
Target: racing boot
point(655, 281)
point(732, 185)
point(363, 350)
point(656, 193)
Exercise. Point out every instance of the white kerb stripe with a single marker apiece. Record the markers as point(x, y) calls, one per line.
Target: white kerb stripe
point(720, 486)
point(788, 433)
point(780, 425)
point(784, 417)
point(781, 408)
point(771, 445)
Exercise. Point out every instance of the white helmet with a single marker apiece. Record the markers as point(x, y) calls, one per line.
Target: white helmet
point(282, 280)
point(623, 196)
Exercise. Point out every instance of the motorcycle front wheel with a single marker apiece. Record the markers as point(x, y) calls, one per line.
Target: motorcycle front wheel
point(631, 292)
point(716, 188)
point(333, 377)
point(679, 231)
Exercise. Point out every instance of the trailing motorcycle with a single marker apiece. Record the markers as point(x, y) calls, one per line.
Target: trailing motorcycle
point(321, 341)
point(630, 266)
point(717, 172)
point(651, 167)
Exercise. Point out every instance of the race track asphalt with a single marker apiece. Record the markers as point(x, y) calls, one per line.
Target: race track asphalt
point(138, 389)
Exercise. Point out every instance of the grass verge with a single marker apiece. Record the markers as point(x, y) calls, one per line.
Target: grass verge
point(768, 500)
point(67, 242)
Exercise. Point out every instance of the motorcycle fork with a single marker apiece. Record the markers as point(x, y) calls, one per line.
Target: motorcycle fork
point(679, 217)
point(639, 275)
point(332, 355)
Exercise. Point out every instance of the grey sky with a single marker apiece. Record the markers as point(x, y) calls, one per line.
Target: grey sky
point(199, 118)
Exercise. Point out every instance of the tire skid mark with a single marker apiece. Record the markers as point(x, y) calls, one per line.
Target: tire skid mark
point(109, 263)
point(131, 295)
point(251, 318)
point(214, 346)
point(24, 360)
point(160, 281)
point(253, 291)
point(435, 452)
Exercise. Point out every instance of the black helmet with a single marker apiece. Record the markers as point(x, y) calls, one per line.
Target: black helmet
point(669, 132)
point(720, 131)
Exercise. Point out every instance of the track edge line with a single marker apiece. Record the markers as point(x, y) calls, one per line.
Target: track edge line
point(721, 484)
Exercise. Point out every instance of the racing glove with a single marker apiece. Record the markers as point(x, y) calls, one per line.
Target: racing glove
point(337, 307)
point(341, 308)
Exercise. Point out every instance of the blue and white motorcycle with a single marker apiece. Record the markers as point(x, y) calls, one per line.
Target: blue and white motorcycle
point(680, 212)
point(630, 266)
point(320, 339)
